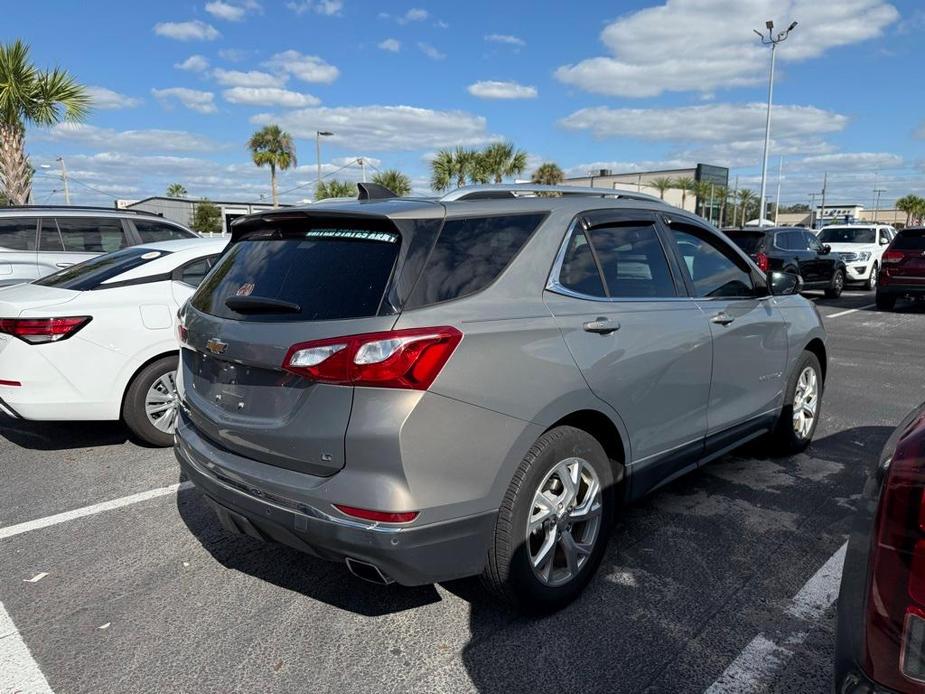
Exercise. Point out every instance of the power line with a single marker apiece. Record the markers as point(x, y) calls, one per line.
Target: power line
point(308, 183)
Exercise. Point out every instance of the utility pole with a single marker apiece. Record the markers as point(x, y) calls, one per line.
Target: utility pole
point(772, 41)
point(812, 210)
point(825, 184)
point(711, 203)
point(877, 192)
point(362, 162)
point(735, 203)
point(67, 192)
point(780, 174)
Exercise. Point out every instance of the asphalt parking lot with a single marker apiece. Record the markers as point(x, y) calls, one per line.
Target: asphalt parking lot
point(723, 580)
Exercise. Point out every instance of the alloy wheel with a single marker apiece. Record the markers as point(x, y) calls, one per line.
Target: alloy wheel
point(564, 522)
point(161, 403)
point(805, 402)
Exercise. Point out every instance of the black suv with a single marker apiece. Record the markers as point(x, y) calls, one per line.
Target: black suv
point(793, 250)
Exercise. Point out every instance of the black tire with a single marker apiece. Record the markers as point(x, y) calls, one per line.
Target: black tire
point(871, 282)
point(838, 285)
point(133, 405)
point(509, 574)
point(784, 439)
point(886, 302)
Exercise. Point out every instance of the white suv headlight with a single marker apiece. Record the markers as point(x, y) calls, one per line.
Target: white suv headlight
point(864, 256)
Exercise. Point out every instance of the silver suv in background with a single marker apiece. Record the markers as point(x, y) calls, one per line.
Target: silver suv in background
point(428, 389)
point(38, 241)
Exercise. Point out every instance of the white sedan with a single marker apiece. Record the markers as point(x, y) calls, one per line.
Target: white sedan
point(97, 341)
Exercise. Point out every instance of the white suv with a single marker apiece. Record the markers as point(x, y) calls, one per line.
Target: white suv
point(861, 246)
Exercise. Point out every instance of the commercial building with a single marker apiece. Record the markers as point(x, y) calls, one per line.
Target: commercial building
point(843, 214)
point(181, 210)
point(642, 182)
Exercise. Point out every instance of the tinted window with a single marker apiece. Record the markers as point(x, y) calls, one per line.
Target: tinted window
point(329, 273)
point(84, 235)
point(17, 234)
point(633, 261)
point(748, 241)
point(713, 273)
point(910, 240)
point(579, 270)
point(469, 255)
point(193, 273)
point(811, 241)
point(151, 232)
point(92, 273)
point(847, 235)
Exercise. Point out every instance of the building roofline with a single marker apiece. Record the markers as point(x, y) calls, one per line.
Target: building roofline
point(214, 202)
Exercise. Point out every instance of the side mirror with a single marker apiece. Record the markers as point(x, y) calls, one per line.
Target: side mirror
point(784, 283)
point(884, 241)
point(826, 249)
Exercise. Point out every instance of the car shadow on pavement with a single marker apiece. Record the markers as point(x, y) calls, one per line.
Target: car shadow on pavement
point(317, 579)
point(59, 436)
point(691, 574)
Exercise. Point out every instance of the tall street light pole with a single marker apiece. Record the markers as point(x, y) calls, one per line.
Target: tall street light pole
point(877, 192)
point(318, 135)
point(67, 192)
point(772, 41)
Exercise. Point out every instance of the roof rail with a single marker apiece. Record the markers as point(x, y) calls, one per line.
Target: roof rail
point(95, 208)
point(486, 191)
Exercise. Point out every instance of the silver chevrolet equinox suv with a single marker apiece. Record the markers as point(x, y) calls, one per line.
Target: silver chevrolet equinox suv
point(427, 389)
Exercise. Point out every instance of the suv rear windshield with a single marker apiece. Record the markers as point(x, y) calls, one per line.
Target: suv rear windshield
point(321, 273)
point(90, 274)
point(843, 235)
point(748, 241)
point(910, 240)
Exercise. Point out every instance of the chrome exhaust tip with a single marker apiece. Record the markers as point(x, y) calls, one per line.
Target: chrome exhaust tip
point(367, 572)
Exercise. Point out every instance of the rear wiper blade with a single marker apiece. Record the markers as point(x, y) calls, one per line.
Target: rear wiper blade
point(260, 304)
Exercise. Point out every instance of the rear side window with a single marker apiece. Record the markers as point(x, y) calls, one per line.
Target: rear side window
point(633, 261)
point(193, 273)
point(748, 241)
point(82, 234)
point(90, 274)
point(17, 234)
point(579, 269)
point(151, 232)
point(910, 240)
point(469, 255)
point(328, 273)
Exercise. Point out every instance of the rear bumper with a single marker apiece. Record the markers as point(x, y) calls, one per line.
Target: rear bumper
point(410, 555)
point(853, 680)
point(893, 289)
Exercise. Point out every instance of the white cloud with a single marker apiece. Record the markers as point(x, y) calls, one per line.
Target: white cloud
point(430, 51)
point(491, 89)
point(328, 8)
point(704, 45)
point(235, 55)
point(251, 78)
point(269, 96)
point(708, 123)
point(867, 162)
point(128, 140)
point(194, 30)
point(506, 38)
point(619, 167)
point(308, 68)
point(920, 132)
point(195, 63)
point(193, 99)
point(380, 128)
point(103, 98)
point(415, 14)
point(223, 10)
point(391, 45)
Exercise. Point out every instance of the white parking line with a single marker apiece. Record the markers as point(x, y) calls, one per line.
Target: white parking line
point(18, 529)
point(852, 310)
point(762, 657)
point(18, 670)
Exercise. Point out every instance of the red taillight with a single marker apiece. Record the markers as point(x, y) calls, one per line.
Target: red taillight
point(41, 330)
point(893, 257)
point(761, 259)
point(395, 359)
point(378, 516)
point(895, 619)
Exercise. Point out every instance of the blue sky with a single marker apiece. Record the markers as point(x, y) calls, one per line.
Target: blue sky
point(630, 85)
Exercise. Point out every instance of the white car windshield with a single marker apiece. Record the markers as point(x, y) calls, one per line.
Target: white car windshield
point(848, 235)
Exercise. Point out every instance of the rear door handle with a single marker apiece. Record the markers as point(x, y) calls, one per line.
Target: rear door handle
point(722, 318)
point(63, 264)
point(601, 326)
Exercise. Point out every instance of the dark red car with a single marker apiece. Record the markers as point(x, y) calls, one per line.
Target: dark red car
point(881, 607)
point(903, 269)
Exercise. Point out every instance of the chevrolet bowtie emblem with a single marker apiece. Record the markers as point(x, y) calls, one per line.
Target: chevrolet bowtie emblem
point(216, 346)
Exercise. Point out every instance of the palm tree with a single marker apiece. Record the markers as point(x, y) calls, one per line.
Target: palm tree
point(453, 166)
point(176, 190)
point(911, 205)
point(29, 96)
point(335, 189)
point(274, 147)
point(747, 198)
point(661, 184)
point(548, 174)
point(394, 180)
point(500, 160)
point(685, 185)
